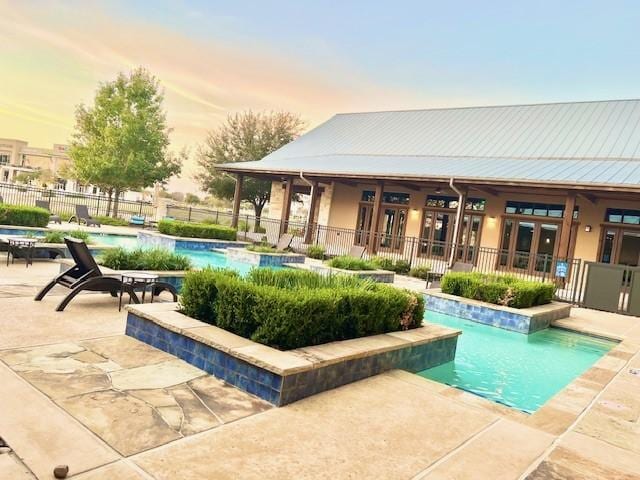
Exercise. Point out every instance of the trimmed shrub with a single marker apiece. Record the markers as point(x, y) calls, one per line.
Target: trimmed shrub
point(351, 263)
point(57, 236)
point(199, 292)
point(290, 309)
point(400, 267)
point(24, 216)
point(315, 251)
point(498, 289)
point(263, 249)
point(116, 222)
point(421, 272)
point(196, 230)
point(159, 259)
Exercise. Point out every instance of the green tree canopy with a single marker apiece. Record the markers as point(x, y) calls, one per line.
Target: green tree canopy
point(245, 137)
point(121, 142)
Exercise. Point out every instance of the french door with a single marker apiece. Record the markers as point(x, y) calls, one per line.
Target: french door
point(437, 234)
point(528, 245)
point(620, 246)
point(393, 223)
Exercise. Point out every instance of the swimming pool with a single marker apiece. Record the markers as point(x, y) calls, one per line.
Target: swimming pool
point(520, 371)
point(126, 241)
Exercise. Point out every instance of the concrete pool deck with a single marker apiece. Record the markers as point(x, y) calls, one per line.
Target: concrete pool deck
point(76, 391)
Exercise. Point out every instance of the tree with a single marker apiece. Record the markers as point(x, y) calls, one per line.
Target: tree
point(121, 142)
point(245, 137)
point(191, 198)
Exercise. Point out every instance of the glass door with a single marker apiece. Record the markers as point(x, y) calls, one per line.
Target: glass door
point(393, 225)
point(547, 238)
point(524, 236)
point(528, 245)
point(469, 238)
point(620, 247)
point(363, 225)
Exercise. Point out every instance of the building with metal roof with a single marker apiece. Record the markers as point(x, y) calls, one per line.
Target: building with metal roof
point(560, 179)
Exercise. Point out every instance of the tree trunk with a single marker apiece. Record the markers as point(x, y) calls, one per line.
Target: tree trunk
point(116, 201)
point(109, 199)
point(257, 209)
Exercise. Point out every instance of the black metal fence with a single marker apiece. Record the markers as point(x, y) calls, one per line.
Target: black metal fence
point(566, 273)
point(64, 203)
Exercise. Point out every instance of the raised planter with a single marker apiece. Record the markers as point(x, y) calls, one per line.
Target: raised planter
point(381, 276)
point(521, 320)
point(263, 259)
point(282, 377)
point(156, 239)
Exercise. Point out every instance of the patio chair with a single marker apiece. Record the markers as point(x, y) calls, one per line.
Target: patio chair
point(85, 275)
point(52, 216)
point(356, 251)
point(82, 215)
point(284, 242)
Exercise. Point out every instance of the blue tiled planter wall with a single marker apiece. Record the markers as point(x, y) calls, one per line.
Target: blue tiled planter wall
point(488, 316)
point(263, 259)
point(281, 390)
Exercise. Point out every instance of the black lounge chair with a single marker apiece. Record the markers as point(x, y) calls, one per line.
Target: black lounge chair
point(85, 275)
point(52, 217)
point(82, 215)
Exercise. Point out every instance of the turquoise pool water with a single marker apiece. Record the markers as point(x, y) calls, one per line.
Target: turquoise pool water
point(126, 241)
point(203, 259)
point(521, 371)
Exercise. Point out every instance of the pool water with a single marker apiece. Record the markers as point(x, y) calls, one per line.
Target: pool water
point(126, 241)
point(201, 259)
point(520, 371)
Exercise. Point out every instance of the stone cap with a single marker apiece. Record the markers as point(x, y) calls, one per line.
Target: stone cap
point(191, 239)
point(288, 362)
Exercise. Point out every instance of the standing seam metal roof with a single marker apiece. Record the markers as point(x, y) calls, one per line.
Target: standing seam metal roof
point(586, 142)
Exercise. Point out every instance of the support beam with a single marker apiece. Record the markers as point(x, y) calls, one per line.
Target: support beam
point(237, 195)
point(591, 198)
point(567, 220)
point(286, 206)
point(311, 217)
point(374, 238)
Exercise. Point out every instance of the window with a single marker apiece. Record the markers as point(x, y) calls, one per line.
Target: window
point(441, 201)
point(537, 209)
point(618, 215)
point(387, 197)
point(4, 159)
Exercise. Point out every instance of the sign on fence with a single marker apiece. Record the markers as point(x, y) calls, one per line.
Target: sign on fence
point(562, 269)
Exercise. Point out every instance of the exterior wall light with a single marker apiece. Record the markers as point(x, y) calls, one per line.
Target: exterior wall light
point(587, 228)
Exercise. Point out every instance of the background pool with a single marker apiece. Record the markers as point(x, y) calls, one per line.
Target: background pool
point(521, 371)
point(126, 241)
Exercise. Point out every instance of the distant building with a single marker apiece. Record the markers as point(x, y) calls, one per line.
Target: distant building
point(17, 157)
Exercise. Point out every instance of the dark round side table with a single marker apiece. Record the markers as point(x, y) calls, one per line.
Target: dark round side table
point(22, 246)
point(137, 280)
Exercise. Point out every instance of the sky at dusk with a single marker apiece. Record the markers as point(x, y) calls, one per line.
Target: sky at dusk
point(316, 58)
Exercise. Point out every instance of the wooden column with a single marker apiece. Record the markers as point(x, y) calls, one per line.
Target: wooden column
point(286, 206)
point(374, 237)
point(237, 194)
point(311, 218)
point(567, 220)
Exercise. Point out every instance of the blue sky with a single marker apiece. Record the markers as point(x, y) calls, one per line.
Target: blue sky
point(214, 58)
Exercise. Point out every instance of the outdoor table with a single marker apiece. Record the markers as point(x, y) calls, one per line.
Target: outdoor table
point(136, 280)
point(23, 245)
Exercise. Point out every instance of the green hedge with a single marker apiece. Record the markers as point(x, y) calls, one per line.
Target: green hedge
point(401, 267)
point(316, 251)
point(290, 309)
point(498, 289)
point(57, 236)
point(116, 222)
point(159, 259)
point(421, 272)
point(24, 216)
point(196, 230)
point(351, 263)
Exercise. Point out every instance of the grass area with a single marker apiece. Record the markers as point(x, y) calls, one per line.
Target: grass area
point(498, 289)
point(289, 309)
point(159, 259)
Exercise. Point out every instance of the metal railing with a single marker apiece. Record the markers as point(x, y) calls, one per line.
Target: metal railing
point(566, 273)
point(64, 203)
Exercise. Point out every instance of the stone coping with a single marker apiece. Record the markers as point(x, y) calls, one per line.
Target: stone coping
point(292, 361)
point(191, 239)
point(538, 310)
